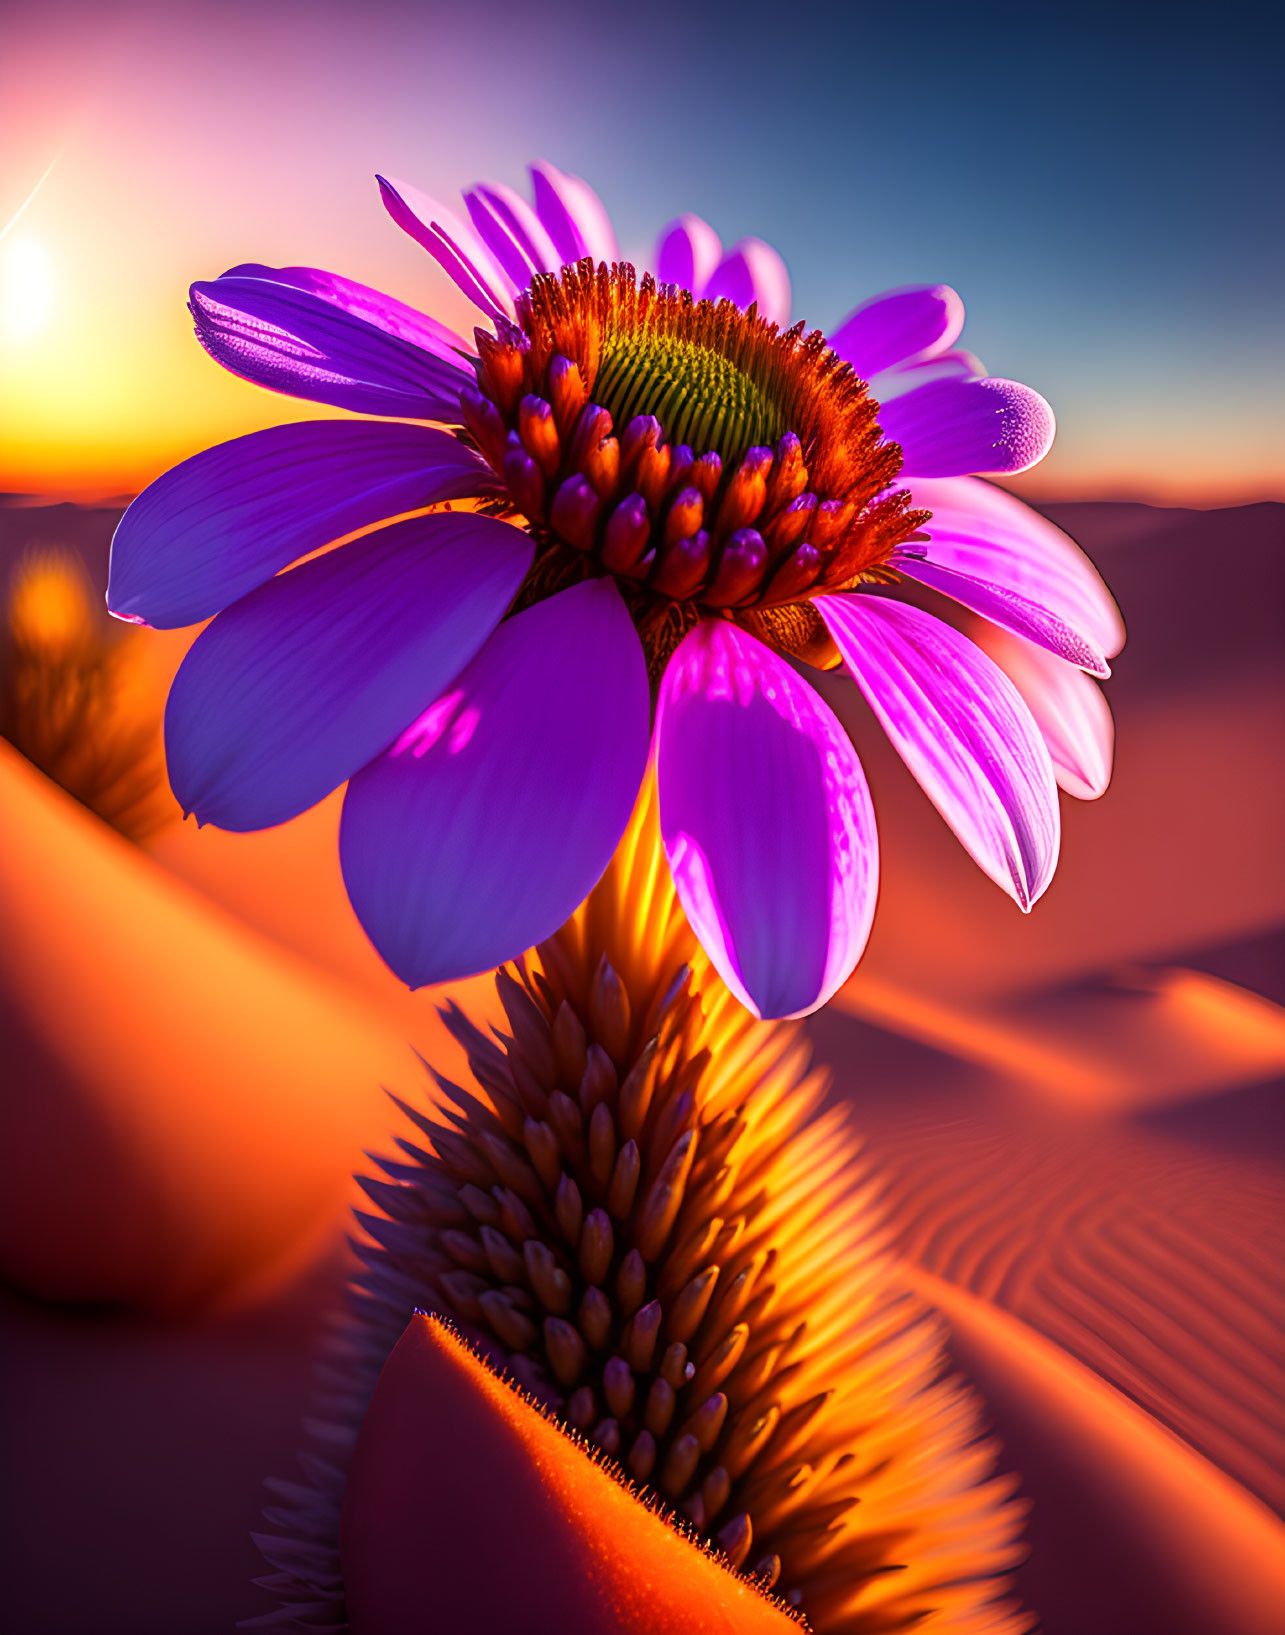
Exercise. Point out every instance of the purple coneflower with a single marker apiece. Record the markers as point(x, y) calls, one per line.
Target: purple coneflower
point(701, 496)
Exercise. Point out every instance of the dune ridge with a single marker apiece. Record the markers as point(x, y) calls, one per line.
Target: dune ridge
point(1147, 1260)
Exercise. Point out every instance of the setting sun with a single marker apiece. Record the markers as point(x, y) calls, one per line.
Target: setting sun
point(26, 290)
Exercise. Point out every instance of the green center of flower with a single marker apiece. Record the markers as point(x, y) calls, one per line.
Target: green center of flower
point(700, 397)
point(710, 463)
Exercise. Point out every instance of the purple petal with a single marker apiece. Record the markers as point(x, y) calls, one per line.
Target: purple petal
point(962, 729)
point(687, 253)
point(293, 341)
point(573, 215)
point(512, 231)
point(978, 529)
point(901, 378)
point(394, 316)
point(500, 243)
point(1069, 710)
point(226, 520)
point(303, 681)
point(522, 221)
point(916, 322)
point(752, 271)
point(766, 820)
point(1009, 608)
point(453, 245)
point(492, 817)
point(951, 427)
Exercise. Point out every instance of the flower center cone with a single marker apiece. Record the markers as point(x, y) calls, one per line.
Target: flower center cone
point(467, 1509)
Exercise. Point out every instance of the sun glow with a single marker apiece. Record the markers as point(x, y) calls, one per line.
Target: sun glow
point(26, 290)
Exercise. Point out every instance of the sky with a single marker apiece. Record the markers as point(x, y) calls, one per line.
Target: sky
point(1103, 187)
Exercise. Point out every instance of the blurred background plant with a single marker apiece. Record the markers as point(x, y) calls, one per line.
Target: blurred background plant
point(74, 697)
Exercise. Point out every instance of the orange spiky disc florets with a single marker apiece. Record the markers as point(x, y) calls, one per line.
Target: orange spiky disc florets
point(710, 462)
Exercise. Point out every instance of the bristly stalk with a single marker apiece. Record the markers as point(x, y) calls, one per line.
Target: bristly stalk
point(641, 1210)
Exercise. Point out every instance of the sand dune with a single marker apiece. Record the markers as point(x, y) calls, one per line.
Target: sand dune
point(1152, 1260)
point(1145, 1037)
point(188, 1097)
point(1131, 1532)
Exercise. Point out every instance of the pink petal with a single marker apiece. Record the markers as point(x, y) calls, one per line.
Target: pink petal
point(766, 820)
point(978, 529)
point(394, 316)
point(752, 271)
point(294, 340)
point(496, 235)
point(949, 428)
point(453, 244)
point(573, 215)
point(1008, 608)
point(492, 816)
point(955, 364)
point(520, 221)
point(1069, 710)
point(687, 253)
point(912, 323)
point(961, 727)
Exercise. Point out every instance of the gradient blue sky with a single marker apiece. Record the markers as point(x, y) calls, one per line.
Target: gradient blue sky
point(1102, 185)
